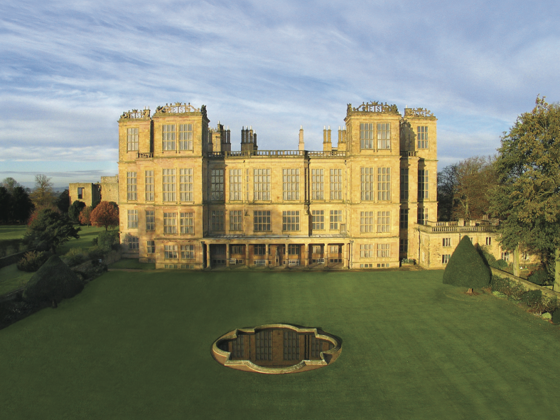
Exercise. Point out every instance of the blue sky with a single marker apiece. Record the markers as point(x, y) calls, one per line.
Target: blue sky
point(70, 68)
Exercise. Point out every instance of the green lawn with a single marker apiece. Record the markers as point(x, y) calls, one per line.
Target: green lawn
point(132, 263)
point(11, 278)
point(137, 346)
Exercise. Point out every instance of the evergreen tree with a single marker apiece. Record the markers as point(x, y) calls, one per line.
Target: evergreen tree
point(466, 267)
point(63, 201)
point(21, 205)
point(526, 199)
point(5, 204)
point(74, 211)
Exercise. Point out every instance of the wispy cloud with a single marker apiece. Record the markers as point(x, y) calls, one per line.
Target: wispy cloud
point(71, 68)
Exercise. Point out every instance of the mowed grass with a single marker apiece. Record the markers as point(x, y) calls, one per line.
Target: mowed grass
point(137, 346)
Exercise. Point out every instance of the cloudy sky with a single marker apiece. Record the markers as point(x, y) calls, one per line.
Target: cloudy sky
point(70, 68)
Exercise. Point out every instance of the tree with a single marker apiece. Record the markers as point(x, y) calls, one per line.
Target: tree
point(5, 204)
point(447, 184)
point(85, 215)
point(464, 188)
point(63, 201)
point(10, 184)
point(43, 194)
point(526, 199)
point(106, 214)
point(475, 176)
point(49, 230)
point(466, 268)
point(21, 206)
point(74, 211)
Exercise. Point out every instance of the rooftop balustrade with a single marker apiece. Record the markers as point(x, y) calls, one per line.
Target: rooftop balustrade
point(275, 154)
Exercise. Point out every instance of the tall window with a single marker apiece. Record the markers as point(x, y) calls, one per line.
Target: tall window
point(366, 136)
point(259, 249)
point(383, 221)
point(168, 137)
point(383, 250)
point(422, 215)
point(366, 177)
point(217, 184)
point(291, 345)
point(403, 246)
point(366, 250)
point(150, 221)
point(335, 219)
point(403, 220)
point(261, 221)
point(317, 184)
point(170, 252)
point(131, 194)
point(404, 184)
point(336, 184)
point(422, 135)
point(185, 137)
point(169, 185)
point(317, 219)
point(263, 345)
point(383, 184)
point(384, 136)
point(186, 221)
point(132, 139)
point(445, 258)
point(290, 178)
point(366, 221)
point(149, 185)
point(187, 252)
point(261, 184)
point(186, 184)
point(151, 247)
point(235, 184)
point(488, 240)
point(133, 219)
point(169, 223)
point(217, 220)
point(422, 184)
point(290, 221)
point(236, 220)
point(80, 193)
point(446, 242)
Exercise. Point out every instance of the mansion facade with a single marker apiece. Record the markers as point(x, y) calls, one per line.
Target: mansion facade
point(187, 200)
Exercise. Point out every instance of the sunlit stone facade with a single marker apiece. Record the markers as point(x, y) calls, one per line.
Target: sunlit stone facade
point(187, 201)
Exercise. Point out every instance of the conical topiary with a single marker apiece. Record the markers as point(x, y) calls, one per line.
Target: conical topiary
point(466, 268)
point(53, 282)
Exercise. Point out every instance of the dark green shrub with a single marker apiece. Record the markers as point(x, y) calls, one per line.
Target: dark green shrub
point(556, 316)
point(109, 240)
point(532, 298)
point(95, 253)
point(466, 268)
point(75, 256)
point(501, 264)
point(53, 282)
point(75, 210)
point(32, 260)
point(539, 277)
point(95, 241)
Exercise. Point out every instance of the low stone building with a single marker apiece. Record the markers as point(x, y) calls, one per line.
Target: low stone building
point(437, 241)
point(91, 193)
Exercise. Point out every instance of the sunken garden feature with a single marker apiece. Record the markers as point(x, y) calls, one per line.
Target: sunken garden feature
point(276, 349)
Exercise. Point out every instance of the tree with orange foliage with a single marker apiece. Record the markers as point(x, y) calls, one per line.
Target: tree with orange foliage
point(85, 215)
point(106, 214)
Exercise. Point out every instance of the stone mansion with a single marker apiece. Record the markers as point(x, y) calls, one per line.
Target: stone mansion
point(188, 201)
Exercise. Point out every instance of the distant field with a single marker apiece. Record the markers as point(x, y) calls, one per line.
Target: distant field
point(137, 346)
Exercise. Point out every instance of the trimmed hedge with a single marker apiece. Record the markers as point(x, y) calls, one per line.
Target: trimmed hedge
point(466, 268)
point(53, 282)
point(539, 277)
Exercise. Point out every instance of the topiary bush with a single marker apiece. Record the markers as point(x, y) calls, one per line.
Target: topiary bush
point(32, 260)
point(53, 282)
point(466, 268)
